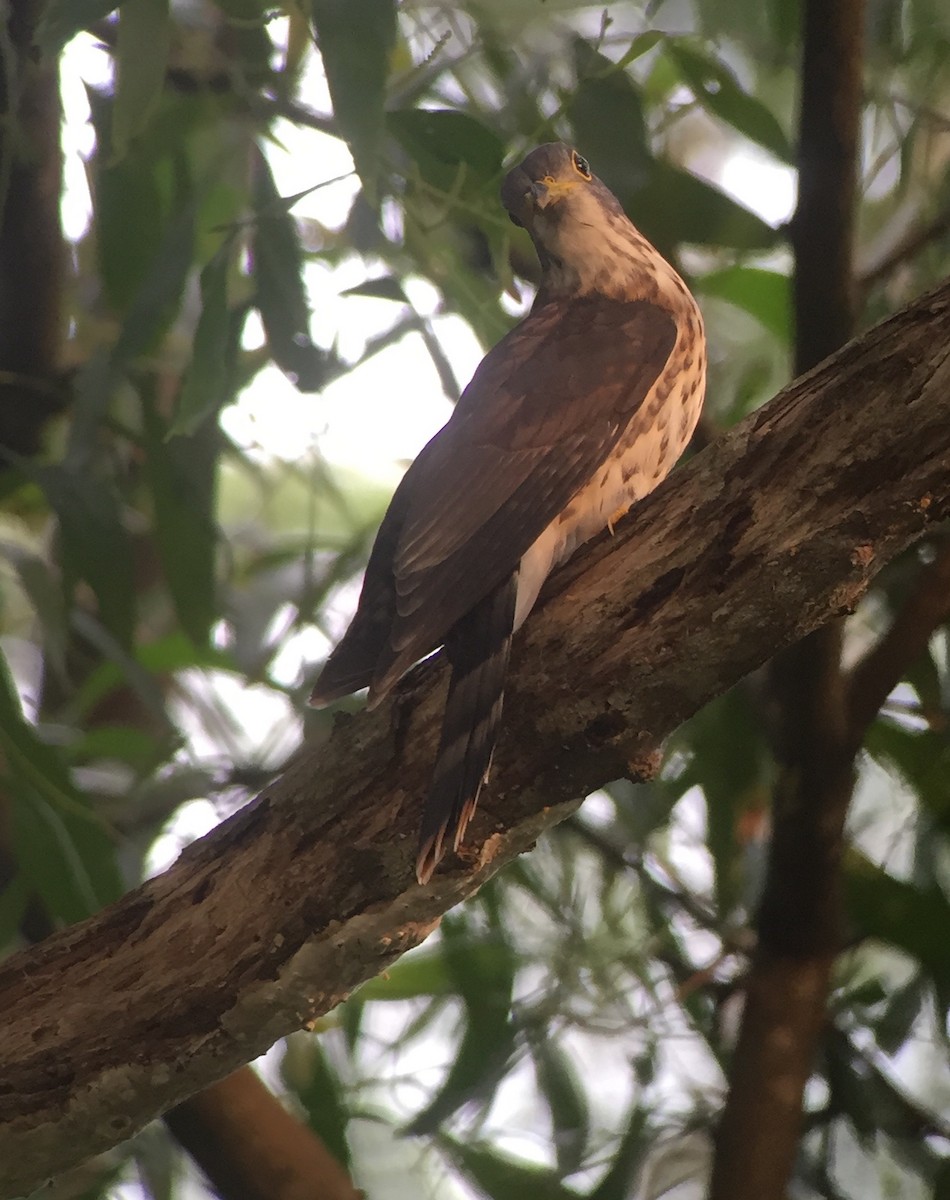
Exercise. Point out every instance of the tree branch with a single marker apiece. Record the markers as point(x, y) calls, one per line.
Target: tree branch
point(274, 917)
point(875, 676)
point(910, 245)
point(798, 923)
point(251, 1148)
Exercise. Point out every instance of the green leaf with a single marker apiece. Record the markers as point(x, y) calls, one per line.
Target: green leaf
point(130, 212)
point(717, 89)
point(119, 743)
point(63, 19)
point(606, 114)
point(642, 44)
point(14, 899)
point(248, 40)
point(483, 982)
point(922, 757)
point(355, 39)
point(501, 1177)
point(181, 474)
point(913, 919)
point(674, 206)
point(422, 973)
point(566, 1100)
point(626, 1160)
point(442, 143)
point(729, 761)
point(158, 299)
point(209, 378)
point(307, 1070)
point(175, 652)
point(64, 850)
point(765, 295)
point(142, 47)
point(95, 545)
point(386, 287)
point(45, 592)
point(904, 1009)
point(280, 292)
point(942, 1182)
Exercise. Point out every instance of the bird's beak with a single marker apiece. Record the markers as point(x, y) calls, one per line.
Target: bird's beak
point(524, 196)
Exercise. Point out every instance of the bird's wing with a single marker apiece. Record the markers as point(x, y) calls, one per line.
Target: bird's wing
point(541, 415)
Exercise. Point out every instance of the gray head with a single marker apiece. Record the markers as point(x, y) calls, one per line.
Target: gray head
point(583, 238)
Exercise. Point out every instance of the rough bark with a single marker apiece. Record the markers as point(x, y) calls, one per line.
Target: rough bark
point(275, 916)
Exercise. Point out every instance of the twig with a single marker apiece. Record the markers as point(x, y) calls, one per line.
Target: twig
point(906, 249)
point(875, 676)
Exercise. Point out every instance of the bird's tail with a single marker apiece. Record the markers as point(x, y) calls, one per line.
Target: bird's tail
point(478, 648)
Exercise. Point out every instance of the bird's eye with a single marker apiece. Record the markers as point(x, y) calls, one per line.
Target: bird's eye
point(581, 165)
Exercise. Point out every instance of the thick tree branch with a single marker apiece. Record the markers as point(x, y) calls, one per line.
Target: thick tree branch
point(274, 917)
point(251, 1148)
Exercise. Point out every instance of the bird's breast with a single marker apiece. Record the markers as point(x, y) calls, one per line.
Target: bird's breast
point(647, 450)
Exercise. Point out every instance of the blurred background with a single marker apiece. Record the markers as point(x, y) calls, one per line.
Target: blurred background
point(249, 255)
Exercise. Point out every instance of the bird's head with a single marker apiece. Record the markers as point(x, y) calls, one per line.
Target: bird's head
point(583, 238)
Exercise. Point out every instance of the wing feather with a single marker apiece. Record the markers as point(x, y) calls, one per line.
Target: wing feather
point(542, 413)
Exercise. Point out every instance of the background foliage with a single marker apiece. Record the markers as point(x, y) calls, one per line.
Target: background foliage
point(568, 1033)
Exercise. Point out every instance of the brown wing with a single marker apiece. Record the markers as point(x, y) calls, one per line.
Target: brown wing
point(541, 414)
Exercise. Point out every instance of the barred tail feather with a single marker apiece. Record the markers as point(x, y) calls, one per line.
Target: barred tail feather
point(478, 648)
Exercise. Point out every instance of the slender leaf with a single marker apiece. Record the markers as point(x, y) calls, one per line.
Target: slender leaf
point(422, 973)
point(566, 1100)
point(141, 58)
point(181, 475)
point(14, 900)
point(63, 19)
point(501, 1177)
point(717, 89)
point(356, 38)
point(119, 743)
point(765, 295)
point(157, 301)
point(207, 383)
point(675, 206)
point(442, 142)
point(64, 851)
point(904, 1009)
point(913, 919)
point(606, 114)
point(634, 1143)
point(387, 287)
point(318, 1089)
point(248, 38)
point(46, 595)
point(280, 292)
point(483, 982)
point(729, 761)
point(642, 44)
point(95, 545)
point(942, 1182)
point(922, 757)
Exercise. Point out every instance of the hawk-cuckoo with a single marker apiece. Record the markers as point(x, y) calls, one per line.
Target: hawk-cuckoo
point(576, 414)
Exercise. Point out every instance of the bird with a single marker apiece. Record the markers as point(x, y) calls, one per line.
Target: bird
point(577, 413)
